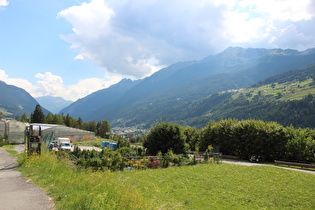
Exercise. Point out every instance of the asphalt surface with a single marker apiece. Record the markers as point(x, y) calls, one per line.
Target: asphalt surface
point(16, 192)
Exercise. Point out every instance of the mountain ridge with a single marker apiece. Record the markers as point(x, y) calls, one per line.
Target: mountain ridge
point(53, 104)
point(165, 95)
point(15, 101)
point(233, 68)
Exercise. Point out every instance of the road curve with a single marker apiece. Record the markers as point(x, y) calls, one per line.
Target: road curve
point(16, 193)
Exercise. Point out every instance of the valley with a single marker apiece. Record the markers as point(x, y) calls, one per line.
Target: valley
point(225, 85)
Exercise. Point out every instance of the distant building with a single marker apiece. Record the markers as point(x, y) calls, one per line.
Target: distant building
point(14, 131)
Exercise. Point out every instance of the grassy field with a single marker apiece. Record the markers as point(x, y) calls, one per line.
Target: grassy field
point(287, 91)
point(97, 142)
point(224, 186)
point(211, 186)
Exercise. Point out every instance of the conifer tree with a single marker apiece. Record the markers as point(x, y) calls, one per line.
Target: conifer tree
point(37, 116)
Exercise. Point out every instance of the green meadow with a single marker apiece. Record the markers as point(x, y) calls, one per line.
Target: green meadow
point(209, 186)
point(284, 91)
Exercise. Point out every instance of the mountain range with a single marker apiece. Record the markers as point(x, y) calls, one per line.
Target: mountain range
point(153, 99)
point(15, 101)
point(185, 92)
point(53, 104)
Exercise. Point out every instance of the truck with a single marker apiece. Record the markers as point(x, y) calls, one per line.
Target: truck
point(63, 144)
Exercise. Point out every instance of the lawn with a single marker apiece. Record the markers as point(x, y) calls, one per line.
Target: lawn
point(212, 186)
point(224, 186)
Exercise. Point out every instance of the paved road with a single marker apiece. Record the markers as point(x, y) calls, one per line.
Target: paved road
point(16, 193)
point(90, 148)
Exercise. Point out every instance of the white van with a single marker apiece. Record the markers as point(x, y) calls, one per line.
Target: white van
point(64, 144)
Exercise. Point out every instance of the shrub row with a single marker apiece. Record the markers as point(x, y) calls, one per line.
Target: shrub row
point(114, 160)
point(233, 137)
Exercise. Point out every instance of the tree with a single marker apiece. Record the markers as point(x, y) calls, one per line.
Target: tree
point(37, 116)
point(163, 137)
point(192, 138)
point(67, 120)
point(89, 126)
point(50, 118)
point(58, 119)
point(25, 118)
point(261, 138)
point(79, 122)
point(220, 134)
point(103, 129)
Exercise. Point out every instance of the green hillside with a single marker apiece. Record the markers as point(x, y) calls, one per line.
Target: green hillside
point(281, 91)
point(15, 101)
point(286, 98)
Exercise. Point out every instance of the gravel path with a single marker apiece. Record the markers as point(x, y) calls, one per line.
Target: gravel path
point(16, 193)
point(259, 164)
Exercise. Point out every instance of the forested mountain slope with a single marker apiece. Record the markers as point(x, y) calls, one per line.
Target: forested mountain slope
point(286, 98)
point(89, 104)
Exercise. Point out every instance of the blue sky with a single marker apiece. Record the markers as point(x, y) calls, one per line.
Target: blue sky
point(71, 48)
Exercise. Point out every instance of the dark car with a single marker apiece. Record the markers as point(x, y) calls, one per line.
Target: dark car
point(255, 159)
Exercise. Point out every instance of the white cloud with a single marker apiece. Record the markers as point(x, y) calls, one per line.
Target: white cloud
point(49, 84)
point(124, 37)
point(3, 75)
point(292, 10)
point(3, 3)
point(97, 41)
point(21, 83)
point(52, 85)
point(240, 28)
point(291, 37)
point(90, 85)
point(272, 24)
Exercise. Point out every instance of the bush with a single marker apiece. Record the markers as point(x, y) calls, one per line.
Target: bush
point(268, 139)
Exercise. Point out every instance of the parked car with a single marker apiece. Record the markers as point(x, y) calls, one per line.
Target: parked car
point(255, 159)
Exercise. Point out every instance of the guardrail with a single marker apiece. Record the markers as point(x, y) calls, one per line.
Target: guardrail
point(302, 165)
point(231, 157)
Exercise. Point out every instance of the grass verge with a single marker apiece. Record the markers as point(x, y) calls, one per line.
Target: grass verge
point(212, 186)
point(72, 189)
point(10, 149)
